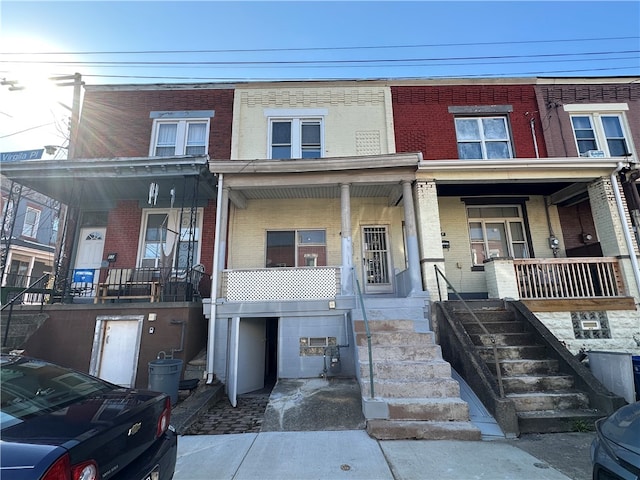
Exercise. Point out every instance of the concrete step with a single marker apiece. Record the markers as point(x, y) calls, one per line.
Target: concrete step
point(419, 430)
point(397, 388)
point(382, 353)
point(428, 409)
point(526, 367)
point(396, 338)
point(534, 352)
point(537, 401)
point(540, 383)
point(485, 316)
point(553, 421)
point(384, 326)
point(512, 326)
point(408, 370)
point(503, 339)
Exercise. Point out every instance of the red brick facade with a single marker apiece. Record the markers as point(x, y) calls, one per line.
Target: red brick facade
point(423, 122)
point(116, 123)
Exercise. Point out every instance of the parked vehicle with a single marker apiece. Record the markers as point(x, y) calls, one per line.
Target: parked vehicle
point(57, 423)
point(615, 452)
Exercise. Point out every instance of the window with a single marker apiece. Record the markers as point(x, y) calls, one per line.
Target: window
point(160, 237)
point(296, 248)
point(31, 221)
point(7, 215)
point(483, 137)
point(295, 133)
point(496, 231)
point(600, 132)
point(180, 133)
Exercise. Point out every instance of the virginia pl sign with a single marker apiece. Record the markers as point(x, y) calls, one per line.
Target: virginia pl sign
point(19, 156)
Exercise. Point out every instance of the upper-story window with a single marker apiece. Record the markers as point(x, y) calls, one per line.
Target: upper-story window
point(600, 128)
point(31, 222)
point(483, 137)
point(180, 133)
point(295, 133)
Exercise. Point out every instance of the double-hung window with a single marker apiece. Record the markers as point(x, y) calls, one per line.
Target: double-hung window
point(169, 239)
point(600, 128)
point(296, 248)
point(483, 138)
point(180, 133)
point(31, 222)
point(496, 231)
point(295, 133)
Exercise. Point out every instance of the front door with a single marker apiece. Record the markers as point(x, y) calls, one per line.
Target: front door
point(89, 257)
point(376, 260)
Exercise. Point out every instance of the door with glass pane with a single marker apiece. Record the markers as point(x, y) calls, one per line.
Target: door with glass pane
point(376, 260)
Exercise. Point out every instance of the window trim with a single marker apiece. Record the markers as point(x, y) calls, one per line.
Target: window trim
point(174, 215)
point(297, 243)
point(482, 140)
point(600, 136)
point(297, 117)
point(33, 230)
point(182, 120)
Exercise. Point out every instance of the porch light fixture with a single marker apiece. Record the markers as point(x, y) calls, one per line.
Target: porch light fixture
point(586, 237)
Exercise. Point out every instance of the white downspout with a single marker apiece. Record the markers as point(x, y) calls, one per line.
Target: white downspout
point(214, 284)
point(625, 226)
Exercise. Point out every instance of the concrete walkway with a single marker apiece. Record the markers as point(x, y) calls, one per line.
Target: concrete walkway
point(353, 455)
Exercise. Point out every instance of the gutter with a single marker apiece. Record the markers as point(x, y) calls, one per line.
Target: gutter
point(214, 285)
point(625, 226)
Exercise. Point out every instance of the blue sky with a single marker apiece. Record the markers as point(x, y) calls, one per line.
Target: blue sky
point(119, 42)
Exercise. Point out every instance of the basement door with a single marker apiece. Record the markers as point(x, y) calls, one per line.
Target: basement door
point(376, 260)
point(247, 341)
point(115, 349)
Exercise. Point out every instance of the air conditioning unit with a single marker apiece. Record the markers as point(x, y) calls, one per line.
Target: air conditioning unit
point(594, 154)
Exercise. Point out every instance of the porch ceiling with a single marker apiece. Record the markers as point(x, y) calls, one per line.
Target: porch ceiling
point(99, 183)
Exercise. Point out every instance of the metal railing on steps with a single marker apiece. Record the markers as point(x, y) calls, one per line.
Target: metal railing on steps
point(491, 336)
point(18, 297)
point(368, 333)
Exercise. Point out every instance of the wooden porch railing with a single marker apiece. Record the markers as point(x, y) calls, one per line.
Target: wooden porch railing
point(564, 278)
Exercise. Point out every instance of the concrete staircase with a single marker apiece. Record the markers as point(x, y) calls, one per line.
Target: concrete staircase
point(546, 400)
point(415, 395)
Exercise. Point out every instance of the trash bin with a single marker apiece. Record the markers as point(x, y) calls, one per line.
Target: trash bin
point(164, 376)
point(636, 375)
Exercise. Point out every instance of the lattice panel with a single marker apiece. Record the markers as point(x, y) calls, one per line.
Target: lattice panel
point(281, 284)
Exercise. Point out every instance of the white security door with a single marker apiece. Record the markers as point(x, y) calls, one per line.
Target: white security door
point(232, 362)
point(376, 260)
point(251, 356)
point(90, 250)
point(118, 356)
point(247, 340)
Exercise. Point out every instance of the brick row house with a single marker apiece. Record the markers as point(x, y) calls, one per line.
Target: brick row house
point(269, 224)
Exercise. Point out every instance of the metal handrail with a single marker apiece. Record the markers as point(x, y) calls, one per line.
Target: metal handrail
point(368, 332)
point(11, 302)
point(477, 320)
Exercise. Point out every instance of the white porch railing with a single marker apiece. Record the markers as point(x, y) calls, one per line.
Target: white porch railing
point(559, 278)
point(280, 284)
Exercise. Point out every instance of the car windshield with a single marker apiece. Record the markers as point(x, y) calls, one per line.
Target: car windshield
point(31, 387)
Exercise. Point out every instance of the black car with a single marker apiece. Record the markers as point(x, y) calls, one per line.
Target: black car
point(61, 424)
point(615, 452)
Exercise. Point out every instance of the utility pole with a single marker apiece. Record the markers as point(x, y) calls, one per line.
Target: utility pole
point(76, 82)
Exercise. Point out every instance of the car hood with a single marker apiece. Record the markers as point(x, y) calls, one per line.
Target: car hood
point(68, 424)
point(623, 427)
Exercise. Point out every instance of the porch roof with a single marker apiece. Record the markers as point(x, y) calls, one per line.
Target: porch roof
point(99, 182)
point(367, 175)
point(563, 179)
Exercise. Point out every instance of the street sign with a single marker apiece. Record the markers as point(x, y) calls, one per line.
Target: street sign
point(24, 155)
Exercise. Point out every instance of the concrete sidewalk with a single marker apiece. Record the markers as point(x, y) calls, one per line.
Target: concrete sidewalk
point(353, 455)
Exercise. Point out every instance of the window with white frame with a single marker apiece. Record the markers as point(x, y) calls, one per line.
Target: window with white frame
point(600, 132)
point(169, 239)
point(31, 222)
point(180, 133)
point(295, 133)
point(496, 231)
point(483, 138)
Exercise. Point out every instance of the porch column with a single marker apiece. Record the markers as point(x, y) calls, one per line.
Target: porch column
point(222, 243)
point(428, 215)
point(346, 279)
point(413, 254)
point(609, 228)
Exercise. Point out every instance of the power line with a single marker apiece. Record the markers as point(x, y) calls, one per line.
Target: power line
point(311, 49)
